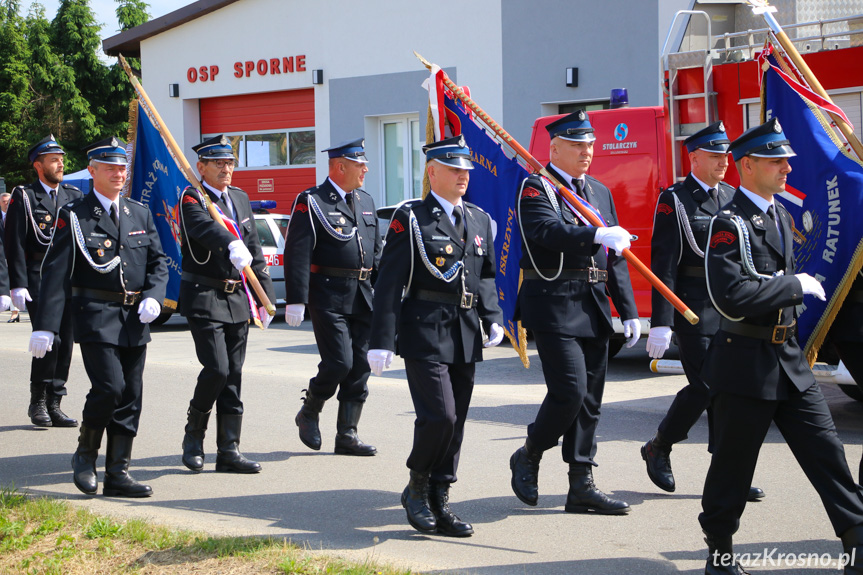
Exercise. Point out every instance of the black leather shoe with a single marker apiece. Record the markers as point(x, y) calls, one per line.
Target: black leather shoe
point(118, 482)
point(58, 418)
point(720, 557)
point(84, 460)
point(38, 409)
point(852, 545)
point(193, 441)
point(755, 494)
point(228, 456)
point(307, 420)
point(14, 319)
point(524, 464)
point(448, 523)
point(584, 497)
point(657, 455)
point(415, 500)
point(347, 441)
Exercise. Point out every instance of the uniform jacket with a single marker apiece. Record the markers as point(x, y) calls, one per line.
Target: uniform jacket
point(206, 241)
point(142, 263)
point(309, 243)
point(740, 364)
point(569, 306)
point(430, 330)
point(25, 248)
point(4, 270)
point(670, 250)
point(848, 325)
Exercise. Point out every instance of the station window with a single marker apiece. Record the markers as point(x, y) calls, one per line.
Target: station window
point(273, 149)
point(586, 106)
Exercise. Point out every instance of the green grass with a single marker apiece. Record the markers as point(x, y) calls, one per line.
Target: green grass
point(46, 536)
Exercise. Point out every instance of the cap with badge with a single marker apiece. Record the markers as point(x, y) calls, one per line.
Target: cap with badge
point(47, 146)
point(215, 148)
point(574, 127)
point(451, 152)
point(108, 151)
point(764, 141)
point(353, 150)
point(711, 139)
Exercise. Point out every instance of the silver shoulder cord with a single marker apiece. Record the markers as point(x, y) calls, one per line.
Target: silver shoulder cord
point(447, 276)
point(79, 239)
point(326, 225)
point(51, 244)
point(745, 259)
point(553, 199)
point(40, 237)
point(185, 233)
point(683, 217)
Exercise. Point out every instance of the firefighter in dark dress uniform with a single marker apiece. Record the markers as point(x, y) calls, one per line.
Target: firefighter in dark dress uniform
point(5, 300)
point(29, 224)
point(219, 304)
point(439, 252)
point(563, 300)
point(106, 256)
point(331, 257)
point(755, 369)
point(680, 223)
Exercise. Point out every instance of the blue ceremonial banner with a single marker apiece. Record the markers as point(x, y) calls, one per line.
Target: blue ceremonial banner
point(494, 184)
point(823, 194)
point(157, 182)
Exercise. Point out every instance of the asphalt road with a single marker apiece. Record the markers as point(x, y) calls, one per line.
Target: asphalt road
point(350, 506)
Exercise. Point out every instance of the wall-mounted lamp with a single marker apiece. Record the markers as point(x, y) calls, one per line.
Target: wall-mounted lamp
point(572, 77)
point(174, 90)
point(317, 76)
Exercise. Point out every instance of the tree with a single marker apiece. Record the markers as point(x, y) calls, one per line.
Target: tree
point(14, 94)
point(130, 13)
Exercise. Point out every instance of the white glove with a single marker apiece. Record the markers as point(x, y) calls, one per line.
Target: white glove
point(239, 254)
point(658, 341)
point(265, 317)
point(495, 335)
point(20, 297)
point(41, 342)
point(148, 310)
point(811, 286)
point(632, 331)
point(294, 313)
point(614, 238)
point(5, 302)
point(379, 360)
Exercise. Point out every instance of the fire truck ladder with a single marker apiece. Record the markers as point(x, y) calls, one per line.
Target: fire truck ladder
point(671, 64)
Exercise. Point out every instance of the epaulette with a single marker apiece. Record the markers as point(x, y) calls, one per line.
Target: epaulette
point(75, 202)
point(135, 202)
point(236, 189)
point(71, 187)
point(475, 207)
point(674, 187)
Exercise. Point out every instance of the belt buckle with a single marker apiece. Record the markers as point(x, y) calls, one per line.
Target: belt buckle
point(129, 297)
point(364, 274)
point(595, 275)
point(231, 286)
point(777, 330)
point(467, 300)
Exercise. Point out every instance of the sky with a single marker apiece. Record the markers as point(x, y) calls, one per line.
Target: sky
point(105, 11)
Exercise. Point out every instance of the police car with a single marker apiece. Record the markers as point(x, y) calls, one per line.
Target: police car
point(272, 229)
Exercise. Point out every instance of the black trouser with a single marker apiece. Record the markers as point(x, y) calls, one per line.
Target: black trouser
point(116, 383)
point(343, 342)
point(740, 426)
point(53, 369)
point(692, 400)
point(574, 370)
point(851, 354)
point(221, 350)
point(441, 395)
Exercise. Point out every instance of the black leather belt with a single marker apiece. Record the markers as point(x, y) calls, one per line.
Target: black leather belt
point(774, 334)
point(361, 274)
point(590, 275)
point(691, 271)
point(126, 298)
point(227, 286)
point(466, 300)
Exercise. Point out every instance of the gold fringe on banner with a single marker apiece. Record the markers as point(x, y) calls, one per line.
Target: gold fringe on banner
point(429, 140)
point(131, 134)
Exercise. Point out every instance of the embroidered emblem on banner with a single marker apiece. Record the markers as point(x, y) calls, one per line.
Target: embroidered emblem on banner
point(722, 238)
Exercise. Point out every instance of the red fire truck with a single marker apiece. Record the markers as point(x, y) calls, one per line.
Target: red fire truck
point(639, 151)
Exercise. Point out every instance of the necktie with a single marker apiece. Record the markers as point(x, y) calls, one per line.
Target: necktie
point(114, 217)
point(579, 188)
point(349, 199)
point(458, 216)
point(771, 213)
point(714, 193)
point(52, 193)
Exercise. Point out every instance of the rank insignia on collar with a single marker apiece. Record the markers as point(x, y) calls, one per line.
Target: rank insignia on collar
point(333, 197)
point(436, 211)
point(756, 219)
point(97, 211)
point(126, 210)
point(439, 262)
point(448, 249)
point(108, 243)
